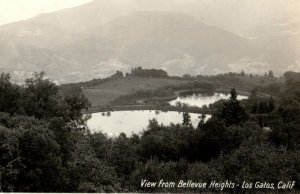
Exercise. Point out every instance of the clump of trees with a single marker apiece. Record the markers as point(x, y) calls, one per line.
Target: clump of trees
point(262, 106)
point(140, 72)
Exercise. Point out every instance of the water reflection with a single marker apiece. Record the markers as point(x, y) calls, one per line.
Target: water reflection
point(202, 99)
point(135, 121)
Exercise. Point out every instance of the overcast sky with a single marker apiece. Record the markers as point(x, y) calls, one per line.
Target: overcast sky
point(238, 16)
point(14, 10)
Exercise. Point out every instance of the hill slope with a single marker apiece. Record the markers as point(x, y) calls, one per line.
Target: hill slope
point(70, 47)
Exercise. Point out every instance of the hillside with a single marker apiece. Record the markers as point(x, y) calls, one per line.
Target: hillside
point(104, 94)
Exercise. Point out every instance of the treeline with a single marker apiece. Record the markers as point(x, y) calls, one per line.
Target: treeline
point(39, 98)
point(135, 72)
point(46, 147)
point(140, 72)
point(40, 132)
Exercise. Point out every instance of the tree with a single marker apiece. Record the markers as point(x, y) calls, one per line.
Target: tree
point(243, 73)
point(186, 76)
point(76, 104)
point(40, 99)
point(291, 77)
point(232, 111)
point(270, 74)
point(10, 160)
point(260, 162)
point(186, 119)
point(89, 173)
point(202, 121)
point(148, 72)
point(29, 156)
point(40, 96)
point(210, 139)
point(117, 75)
point(10, 95)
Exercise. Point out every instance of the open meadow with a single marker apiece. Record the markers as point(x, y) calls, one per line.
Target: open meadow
point(103, 94)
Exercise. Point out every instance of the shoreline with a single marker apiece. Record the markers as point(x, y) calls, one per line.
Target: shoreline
point(148, 107)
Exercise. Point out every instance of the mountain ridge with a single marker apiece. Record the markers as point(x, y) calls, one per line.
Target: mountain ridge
point(175, 42)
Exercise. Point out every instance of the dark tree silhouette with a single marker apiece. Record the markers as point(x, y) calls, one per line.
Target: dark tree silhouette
point(270, 74)
point(232, 111)
point(243, 73)
point(186, 119)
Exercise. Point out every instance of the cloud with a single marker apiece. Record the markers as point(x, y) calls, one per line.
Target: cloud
point(14, 10)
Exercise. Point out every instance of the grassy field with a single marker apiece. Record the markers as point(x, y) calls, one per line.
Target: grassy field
point(103, 94)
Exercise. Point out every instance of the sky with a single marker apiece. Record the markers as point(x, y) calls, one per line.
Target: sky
point(15, 10)
point(243, 17)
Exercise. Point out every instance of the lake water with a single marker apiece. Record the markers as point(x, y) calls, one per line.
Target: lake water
point(202, 99)
point(135, 121)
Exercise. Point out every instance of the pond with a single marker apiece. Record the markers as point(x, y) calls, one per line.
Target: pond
point(202, 99)
point(130, 122)
point(134, 121)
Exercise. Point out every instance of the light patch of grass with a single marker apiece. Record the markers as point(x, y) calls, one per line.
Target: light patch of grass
point(103, 94)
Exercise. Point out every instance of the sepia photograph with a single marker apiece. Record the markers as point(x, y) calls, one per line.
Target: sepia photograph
point(150, 96)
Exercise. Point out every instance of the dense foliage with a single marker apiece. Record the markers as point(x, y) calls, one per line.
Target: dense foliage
point(138, 71)
point(46, 147)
